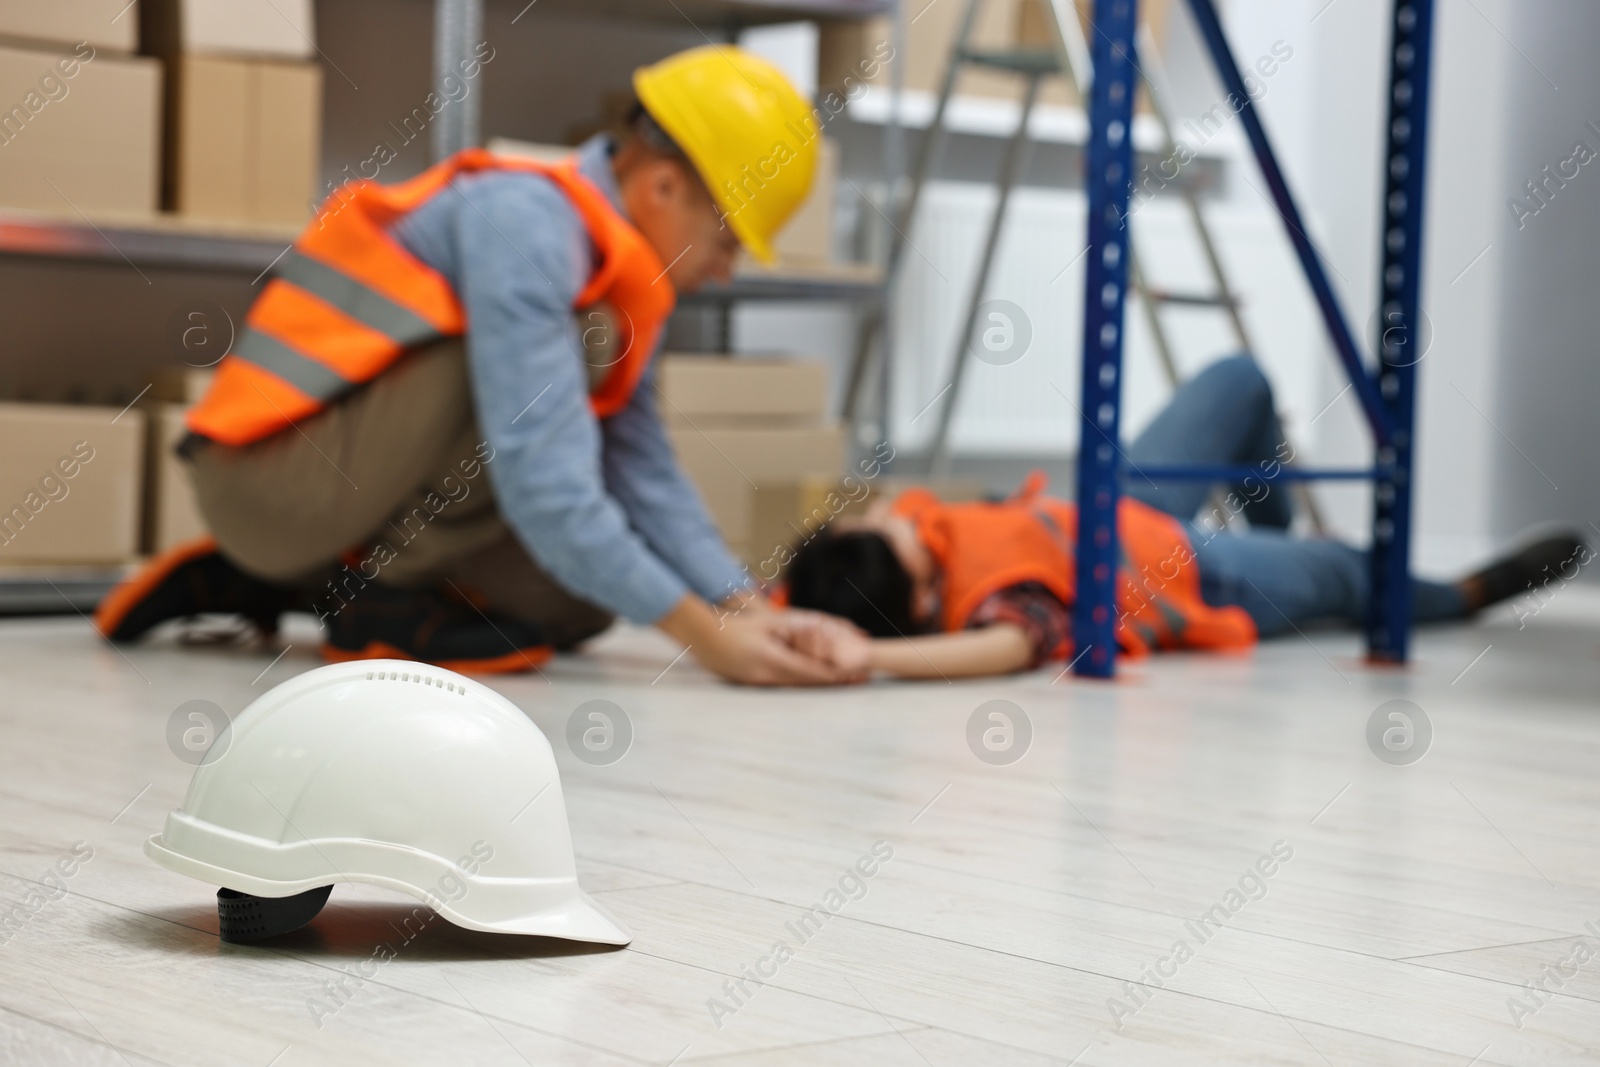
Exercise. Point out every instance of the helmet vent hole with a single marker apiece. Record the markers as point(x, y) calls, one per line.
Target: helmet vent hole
point(418, 677)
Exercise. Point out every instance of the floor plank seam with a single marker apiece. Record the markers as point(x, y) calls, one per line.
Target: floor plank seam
point(715, 1056)
point(1487, 948)
point(1519, 986)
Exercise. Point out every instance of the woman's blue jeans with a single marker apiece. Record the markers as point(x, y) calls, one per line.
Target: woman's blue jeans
point(1225, 414)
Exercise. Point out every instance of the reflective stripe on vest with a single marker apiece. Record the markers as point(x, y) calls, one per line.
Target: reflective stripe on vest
point(312, 378)
point(370, 308)
point(347, 300)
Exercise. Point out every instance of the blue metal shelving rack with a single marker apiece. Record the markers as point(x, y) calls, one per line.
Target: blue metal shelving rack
point(1387, 396)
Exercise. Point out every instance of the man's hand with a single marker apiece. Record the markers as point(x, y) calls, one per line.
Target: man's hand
point(755, 648)
point(833, 640)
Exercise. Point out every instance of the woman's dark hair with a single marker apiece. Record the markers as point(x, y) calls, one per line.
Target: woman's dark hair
point(855, 575)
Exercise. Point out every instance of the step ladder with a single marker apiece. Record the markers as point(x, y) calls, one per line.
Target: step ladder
point(1070, 57)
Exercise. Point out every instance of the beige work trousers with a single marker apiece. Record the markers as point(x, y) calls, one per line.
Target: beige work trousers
point(392, 480)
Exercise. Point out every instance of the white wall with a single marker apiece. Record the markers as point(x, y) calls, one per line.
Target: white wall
point(1547, 375)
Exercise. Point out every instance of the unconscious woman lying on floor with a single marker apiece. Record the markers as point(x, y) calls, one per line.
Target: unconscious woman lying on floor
point(934, 589)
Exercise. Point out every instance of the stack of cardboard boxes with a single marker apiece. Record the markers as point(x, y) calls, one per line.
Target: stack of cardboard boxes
point(220, 118)
point(243, 108)
point(752, 435)
point(80, 131)
point(80, 114)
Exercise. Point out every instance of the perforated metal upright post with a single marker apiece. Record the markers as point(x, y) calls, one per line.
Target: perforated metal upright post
point(457, 30)
point(1108, 162)
point(1400, 337)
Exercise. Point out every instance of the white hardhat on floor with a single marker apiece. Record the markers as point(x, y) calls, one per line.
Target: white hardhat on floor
point(392, 773)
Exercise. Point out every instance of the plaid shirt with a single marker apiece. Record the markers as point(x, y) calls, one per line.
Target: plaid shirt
point(1045, 620)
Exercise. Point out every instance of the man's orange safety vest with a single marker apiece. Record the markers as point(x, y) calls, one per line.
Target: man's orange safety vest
point(347, 301)
point(982, 548)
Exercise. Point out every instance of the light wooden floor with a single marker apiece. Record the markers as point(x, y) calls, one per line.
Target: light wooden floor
point(1018, 901)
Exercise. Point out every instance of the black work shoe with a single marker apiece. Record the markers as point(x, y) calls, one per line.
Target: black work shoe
point(193, 578)
point(382, 622)
point(1530, 567)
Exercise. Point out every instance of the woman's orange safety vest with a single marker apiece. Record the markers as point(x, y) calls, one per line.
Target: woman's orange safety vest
point(347, 300)
point(982, 548)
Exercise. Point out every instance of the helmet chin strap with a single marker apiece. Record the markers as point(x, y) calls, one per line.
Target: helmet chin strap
point(242, 917)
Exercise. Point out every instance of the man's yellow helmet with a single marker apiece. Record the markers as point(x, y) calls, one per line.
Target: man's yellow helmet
point(746, 129)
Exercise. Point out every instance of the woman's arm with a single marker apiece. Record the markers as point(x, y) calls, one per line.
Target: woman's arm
point(997, 649)
point(1012, 630)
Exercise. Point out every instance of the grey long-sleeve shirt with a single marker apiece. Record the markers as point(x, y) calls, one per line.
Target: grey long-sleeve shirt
point(602, 505)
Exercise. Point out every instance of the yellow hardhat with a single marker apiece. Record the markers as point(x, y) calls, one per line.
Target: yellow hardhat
point(745, 128)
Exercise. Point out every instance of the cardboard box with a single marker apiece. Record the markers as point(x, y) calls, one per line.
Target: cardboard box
point(243, 138)
point(110, 24)
point(845, 55)
point(1034, 29)
point(730, 501)
point(808, 235)
point(80, 131)
point(273, 29)
point(1033, 23)
point(70, 483)
point(730, 464)
point(541, 153)
point(180, 385)
point(785, 514)
point(171, 515)
point(846, 51)
point(724, 390)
